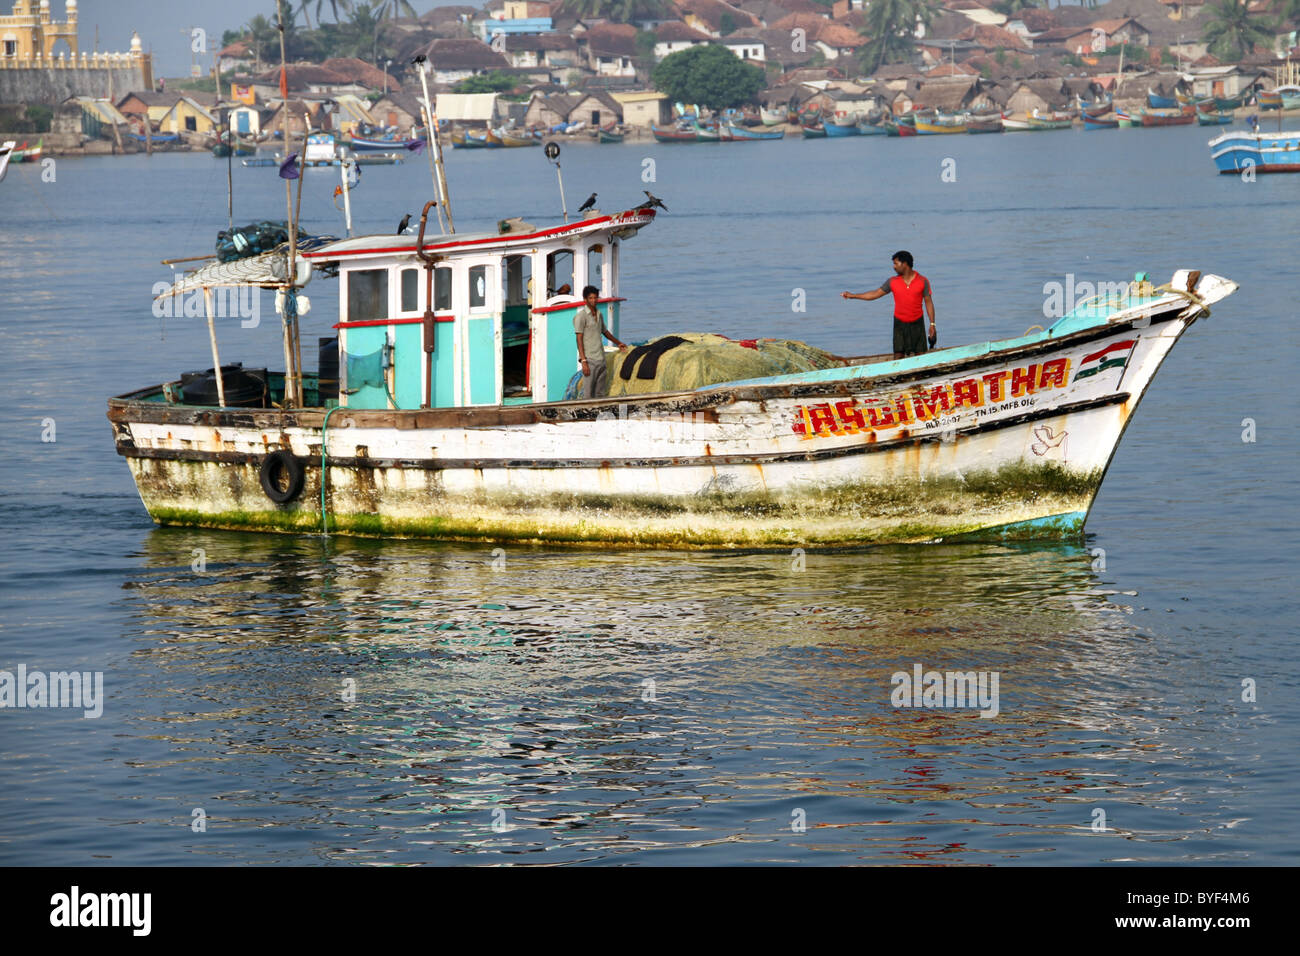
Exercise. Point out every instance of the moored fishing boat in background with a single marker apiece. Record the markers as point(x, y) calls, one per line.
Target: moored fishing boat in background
point(1239, 151)
point(984, 124)
point(1180, 117)
point(939, 124)
point(673, 134)
point(1110, 121)
point(1040, 122)
point(1213, 119)
point(732, 134)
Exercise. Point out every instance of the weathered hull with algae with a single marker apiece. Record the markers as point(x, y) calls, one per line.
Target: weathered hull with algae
point(1013, 441)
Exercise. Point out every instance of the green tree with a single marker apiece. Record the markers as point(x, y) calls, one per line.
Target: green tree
point(618, 11)
point(264, 40)
point(360, 35)
point(891, 31)
point(1233, 31)
point(1288, 11)
point(726, 23)
point(1012, 7)
point(710, 75)
point(388, 9)
point(335, 5)
point(491, 82)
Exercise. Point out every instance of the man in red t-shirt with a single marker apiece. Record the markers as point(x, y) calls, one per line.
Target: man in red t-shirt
point(911, 290)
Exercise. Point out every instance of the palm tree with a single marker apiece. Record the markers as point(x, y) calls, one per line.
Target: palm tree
point(587, 9)
point(891, 26)
point(1234, 31)
point(346, 5)
point(1288, 11)
point(264, 39)
point(388, 9)
point(1010, 8)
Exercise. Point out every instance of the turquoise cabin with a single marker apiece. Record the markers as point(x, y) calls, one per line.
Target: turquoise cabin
point(470, 319)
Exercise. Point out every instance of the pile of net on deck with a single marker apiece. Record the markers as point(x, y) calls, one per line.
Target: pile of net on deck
point(690, 360)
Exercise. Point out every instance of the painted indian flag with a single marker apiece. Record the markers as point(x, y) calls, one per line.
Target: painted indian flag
point(1114, 355)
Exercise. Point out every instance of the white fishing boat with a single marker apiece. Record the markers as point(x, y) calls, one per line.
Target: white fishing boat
point(6, 152)
point(452, 419)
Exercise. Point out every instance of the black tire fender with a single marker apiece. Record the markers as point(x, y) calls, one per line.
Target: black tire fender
point(281, 475)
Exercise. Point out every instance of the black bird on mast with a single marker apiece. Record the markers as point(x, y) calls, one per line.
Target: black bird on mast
point(401, 226)
point(652, 201)
point(591, 201)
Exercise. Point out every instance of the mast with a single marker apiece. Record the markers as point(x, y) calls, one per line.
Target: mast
point(230, 140)
point(431, 123)
point(291, 373)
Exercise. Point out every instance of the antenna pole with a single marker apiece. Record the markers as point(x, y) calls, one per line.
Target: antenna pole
point(431, 127)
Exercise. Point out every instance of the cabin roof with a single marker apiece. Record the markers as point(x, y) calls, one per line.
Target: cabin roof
point(364, 247)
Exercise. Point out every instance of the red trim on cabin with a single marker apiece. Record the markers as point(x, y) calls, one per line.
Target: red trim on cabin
point(366, 323)
point(576, 302)
point(504, 237)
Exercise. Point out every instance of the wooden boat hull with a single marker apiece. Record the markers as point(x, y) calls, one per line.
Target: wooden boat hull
point(671, 135)
point(1214, 119)
point(1158, 102)
point(813, 132)
point(1098, 122)
point(1008, 439)
point(1041, 124)
point(361, 144)
point(605, 136)
point(739, 134)
point(931, 128)
point(1238, 151)
point(1182, 118)
point(835, 130)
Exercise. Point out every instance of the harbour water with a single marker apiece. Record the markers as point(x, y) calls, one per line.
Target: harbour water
point(311, 700)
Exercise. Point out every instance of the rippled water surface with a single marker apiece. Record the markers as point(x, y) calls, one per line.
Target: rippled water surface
point(359, 701)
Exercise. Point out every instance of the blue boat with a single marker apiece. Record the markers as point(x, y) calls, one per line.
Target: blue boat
point(157, 137)
point(386, 145)
point(731, 133)
point(1158, 102)
point(1100, 122)
point(1239, 151)
point(835, 129)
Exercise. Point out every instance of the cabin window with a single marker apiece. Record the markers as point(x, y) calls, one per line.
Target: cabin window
point(442, 289)
point(478, 287)
point(559, 273)
point(367, 294)
point(595, 257)
point(410, 290)
point(518, 280)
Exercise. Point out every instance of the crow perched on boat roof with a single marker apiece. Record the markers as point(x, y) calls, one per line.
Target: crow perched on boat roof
point(401, 226)
point(418, 59)
point(652, 201)
point(591, 201)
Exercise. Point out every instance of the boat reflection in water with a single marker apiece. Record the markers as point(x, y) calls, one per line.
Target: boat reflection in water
point(635, 706)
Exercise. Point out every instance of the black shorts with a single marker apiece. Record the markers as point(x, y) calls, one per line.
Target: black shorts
point(909, 337)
